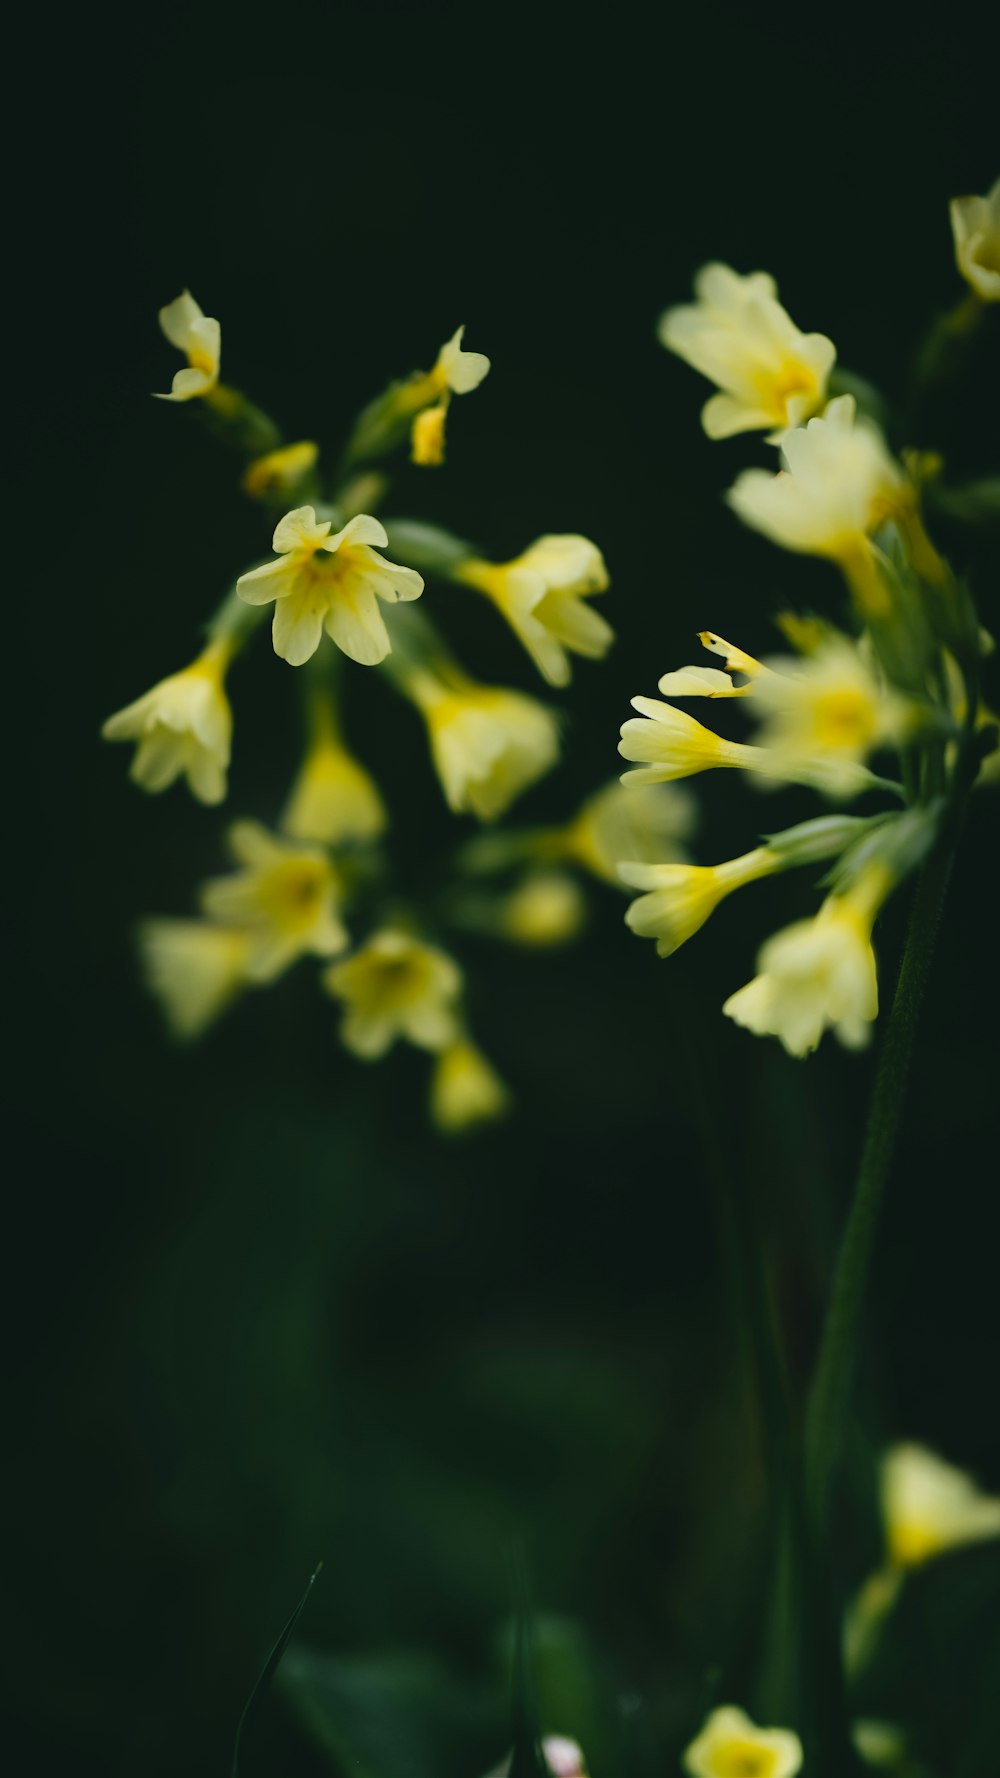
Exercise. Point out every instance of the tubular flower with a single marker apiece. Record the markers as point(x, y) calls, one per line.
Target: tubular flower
point(541, 595)
point(670, 744)
point(280, 471)
point(681, 897)
point(333, 799)
point(194, 969)
point(929, 1506)
point(710, 682)
point(465, 1089)
point(738, 335)
point(329, 582)
point(199, 337)
point(975, 224)
point(456, 372)
point(731, 1746)
point(838, 485)
point(184, 725)
point(830, 707)
point(396, 986)
point(819, 973)
point(488, 743)
point(626, 820)
point(285, 898)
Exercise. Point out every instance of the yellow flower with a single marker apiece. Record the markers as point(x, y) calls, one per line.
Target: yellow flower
point(194, 969)
point(541, 595)
point(199, 337)
point(731, 1746)
point(829, 707)
point(628, 821)
point(456, 372)
point(709, 682)
point(738, 335)
point(427, 437)
point(280, 471)
point(548, 908)
point(488, 743)
point(929, 1506)
point(285, 898)
point(333, 582)
point(184, 725)
point(670, 744)
point(396, 986)
point(818, 972)
point(333, 798)
point(682, 896)
point(465, 1089)
point(975, 224)
point(839, 484)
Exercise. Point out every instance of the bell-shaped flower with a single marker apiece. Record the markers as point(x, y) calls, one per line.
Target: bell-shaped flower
point(333, 582)
point(194, 968)
point(396, 986)
point(770, 376)
point(975, 224)
point(488, 744)
point(541, 593)
point(333, 800)
point(466, 1089)
point(199, 337)
point(285, 897)
point(680, 897)
point(183, 726)
point(731, 1746)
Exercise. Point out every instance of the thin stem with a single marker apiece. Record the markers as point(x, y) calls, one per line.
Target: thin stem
point(829, 1398)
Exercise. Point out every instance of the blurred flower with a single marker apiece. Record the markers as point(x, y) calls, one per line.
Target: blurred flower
point(285, 898)
point(682, 896)
point(975, 224)
point(488, 743)
point(333, 798)
point(738, 335)
point(628, 821)
point(830, 706)
point(548, 908)
point(465, 1089)
point(396, 986)
point(184, 725)
point(333, 582)
point(427, 436)
point(880, 1744)
point(199, 337)
point(195, 969)
point(280, 471)
point(563, 1757)
point(929, 1506)
point(819, 973)
point(731, 1746)
point(541, 594)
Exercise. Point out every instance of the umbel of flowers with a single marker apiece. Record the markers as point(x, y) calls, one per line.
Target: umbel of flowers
point(340, 590)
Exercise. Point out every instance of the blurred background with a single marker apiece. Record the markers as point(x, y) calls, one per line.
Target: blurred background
point(260, 1315)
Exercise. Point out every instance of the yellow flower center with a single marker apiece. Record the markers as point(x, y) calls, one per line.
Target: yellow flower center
point(201, 360)
point(844, 720)
point(292, 893)
point(911, 1543)
point(792, 379)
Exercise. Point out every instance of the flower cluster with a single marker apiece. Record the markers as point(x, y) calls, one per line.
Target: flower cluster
point(895, 680)
point(341, 586)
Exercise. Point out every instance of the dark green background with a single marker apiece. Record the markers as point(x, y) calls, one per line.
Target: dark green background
point(258, 1314)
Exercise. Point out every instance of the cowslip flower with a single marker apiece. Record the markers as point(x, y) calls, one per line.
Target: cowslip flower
point(548, 908)
point(629, 821)
point(488, 744)
point(738, 335)
point(712, 682)
point(669, 744)
point(195, 969)
point(183, 726)
point(280, 471)
point(396, 986)
point(284, 898)
point(838, 485)
point(830, 706)
point(541, 594)
point(975, 224)
point(199, 337)
point(819, 973)
point(466, 1089)
point(332, 582)
point(333, 798)
point(731, 1746)
point(456, 372)
point(681, 897)
point(929, 1506)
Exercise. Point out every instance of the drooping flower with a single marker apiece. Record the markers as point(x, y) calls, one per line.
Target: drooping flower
point(456, 372)
point(649, 821)
point(199, 337)
point(184, 725)
point(819, 973)
point(488, 744)
point(731, 1746)
point(929, 1506)
point(396, 986)
point(284, 897)
point(466, 1089)
point(333, 799)
point(541, 594)
point(738, 335)
point(194, 968)
point(680, 897)
point(332, 582)
point(975, 224)
point(280, 471)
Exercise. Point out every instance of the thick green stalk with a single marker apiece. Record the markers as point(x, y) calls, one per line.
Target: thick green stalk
point(830, 1395)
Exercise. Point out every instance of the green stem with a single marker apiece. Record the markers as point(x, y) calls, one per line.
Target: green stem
point(830, 1395)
